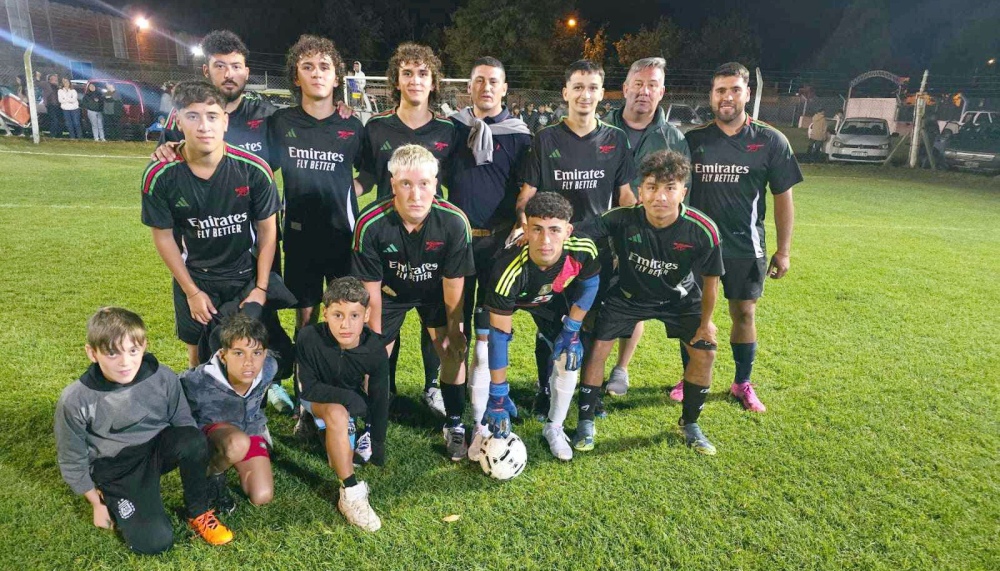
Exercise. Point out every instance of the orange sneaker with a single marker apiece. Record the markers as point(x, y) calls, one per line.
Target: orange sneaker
point(211, 529)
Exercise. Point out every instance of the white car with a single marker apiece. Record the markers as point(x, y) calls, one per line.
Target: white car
point(860, 140)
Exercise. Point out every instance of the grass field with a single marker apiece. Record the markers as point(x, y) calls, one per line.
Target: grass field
point(878, 363)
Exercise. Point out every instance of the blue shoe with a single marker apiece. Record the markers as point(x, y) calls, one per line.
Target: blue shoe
point(696, 440)
point(583, 440)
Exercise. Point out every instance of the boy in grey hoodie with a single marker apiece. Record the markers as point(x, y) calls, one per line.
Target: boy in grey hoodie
point(226, 395)
point(122, 425)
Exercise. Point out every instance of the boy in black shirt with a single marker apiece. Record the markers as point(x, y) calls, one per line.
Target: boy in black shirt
point(344, 372)
point(555, 277)
point(658, 242)
point(414, 251)
point(218, 203)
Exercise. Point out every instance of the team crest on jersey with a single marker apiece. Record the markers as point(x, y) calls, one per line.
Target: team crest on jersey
point(605, 149)
point(242, 191)
point(432, 246)
point(545, 289)
point(344, 134)
point(440, 146)
point(754, 147)
point(254, 123)
point(126, 509)
point(681, 246)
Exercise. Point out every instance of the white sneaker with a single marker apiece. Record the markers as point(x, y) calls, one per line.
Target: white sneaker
point(363, 449)
point(278, 398)
point(558, 442)
point(433, 399)
point(476, 448)
point(355, 507)
point(454, 442)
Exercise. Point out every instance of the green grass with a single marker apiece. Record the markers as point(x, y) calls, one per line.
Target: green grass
point(878, 364)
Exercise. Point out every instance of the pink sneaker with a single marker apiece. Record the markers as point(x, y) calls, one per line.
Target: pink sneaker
point(744, 393)
point(677, 393)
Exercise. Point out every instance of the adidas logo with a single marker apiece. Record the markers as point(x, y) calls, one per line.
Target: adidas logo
point(291, 134)
point(555, 154)
point(182, 203)
point(390, 249)
point(699, 150)
point(637, 238)
point(386, 146)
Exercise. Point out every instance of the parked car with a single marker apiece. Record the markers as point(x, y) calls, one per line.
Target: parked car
point(860, 139)
point(974, 118)
point(682, 116)
point(140, 101)
point(975, 148)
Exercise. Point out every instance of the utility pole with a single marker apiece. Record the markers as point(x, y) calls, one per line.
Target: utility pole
point(918, 123)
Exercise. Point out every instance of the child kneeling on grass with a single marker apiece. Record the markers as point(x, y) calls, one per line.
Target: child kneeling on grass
point(122, 425)
point(343, 371)
point(226, 395)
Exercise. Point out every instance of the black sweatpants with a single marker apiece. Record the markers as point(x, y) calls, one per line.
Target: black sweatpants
point(130, 483)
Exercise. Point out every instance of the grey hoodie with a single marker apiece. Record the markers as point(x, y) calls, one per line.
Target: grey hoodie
point(213, 399)
point(96, 418)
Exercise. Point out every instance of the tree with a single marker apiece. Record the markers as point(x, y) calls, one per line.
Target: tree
point(595, 49)
point(663, 40)
point(355, 27)
point(722, 40)
point(860, 42)
point(521, 33)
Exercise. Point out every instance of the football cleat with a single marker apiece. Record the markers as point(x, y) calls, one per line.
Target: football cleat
point(219, 495)
point(695, 440)
point(363, 450)
point(583, 440)
point(454, 441)
point(433, 399)
point(744, 393)
point(677, 393)
point(476, 448)
point(617, 384)
point(209, 528)
point(354, 505)
point(558, 442)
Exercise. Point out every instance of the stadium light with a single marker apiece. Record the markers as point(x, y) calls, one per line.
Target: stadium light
point(571, 23)
point(196, 51)
point(141, 23)
point(991, 61)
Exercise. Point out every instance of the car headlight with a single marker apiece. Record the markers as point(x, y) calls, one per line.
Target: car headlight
point(884, 146)
point(838, 144)
point(950, 154)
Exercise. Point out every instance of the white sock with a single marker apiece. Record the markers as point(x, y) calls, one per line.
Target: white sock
point(562, 384)
point(479, 382)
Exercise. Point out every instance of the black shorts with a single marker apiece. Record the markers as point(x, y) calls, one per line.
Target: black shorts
point(744, 277)
point(618, 316)
point(432, 315)
point(313, 258)
point(484, 251)
point(219, 291)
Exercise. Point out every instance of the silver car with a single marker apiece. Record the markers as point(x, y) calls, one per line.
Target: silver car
point(860, 140)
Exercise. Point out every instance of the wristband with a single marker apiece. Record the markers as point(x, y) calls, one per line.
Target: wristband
point(260, 288)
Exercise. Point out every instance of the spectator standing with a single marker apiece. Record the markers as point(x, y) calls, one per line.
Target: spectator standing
point(50, 96)
point(166, 101)
point(93, 102)
point(69, 102)
point(817, 134)
point(113, 110)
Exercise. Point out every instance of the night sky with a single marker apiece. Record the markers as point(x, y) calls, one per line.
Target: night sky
point(791, 31)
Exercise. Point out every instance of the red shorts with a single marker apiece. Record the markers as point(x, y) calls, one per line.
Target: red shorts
point(258, 444)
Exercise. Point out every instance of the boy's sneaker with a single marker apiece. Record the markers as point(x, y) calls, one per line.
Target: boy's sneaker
point(695, 440)
point(599, 410)
point(617, 382)
point(476, 448)
point(211, 529)
point(677, 393)
point(354, 505)
point(744, 393)
point(433, 399)
point(558, 442)
point(219, 495)
point(583, 440)
point(540, 408)
point(363, 450)
point(454, 441)
point(278, 398)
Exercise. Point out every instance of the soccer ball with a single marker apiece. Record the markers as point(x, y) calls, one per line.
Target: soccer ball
point(503, 458)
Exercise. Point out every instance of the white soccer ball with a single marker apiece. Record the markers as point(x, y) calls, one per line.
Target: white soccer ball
point(503, 458)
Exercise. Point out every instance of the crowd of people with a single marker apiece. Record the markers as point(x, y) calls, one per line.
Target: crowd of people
point(61, 107)
point(591, 227)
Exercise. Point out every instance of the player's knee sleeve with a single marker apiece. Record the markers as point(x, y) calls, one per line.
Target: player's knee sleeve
point(479, 380)
point(563, 384)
